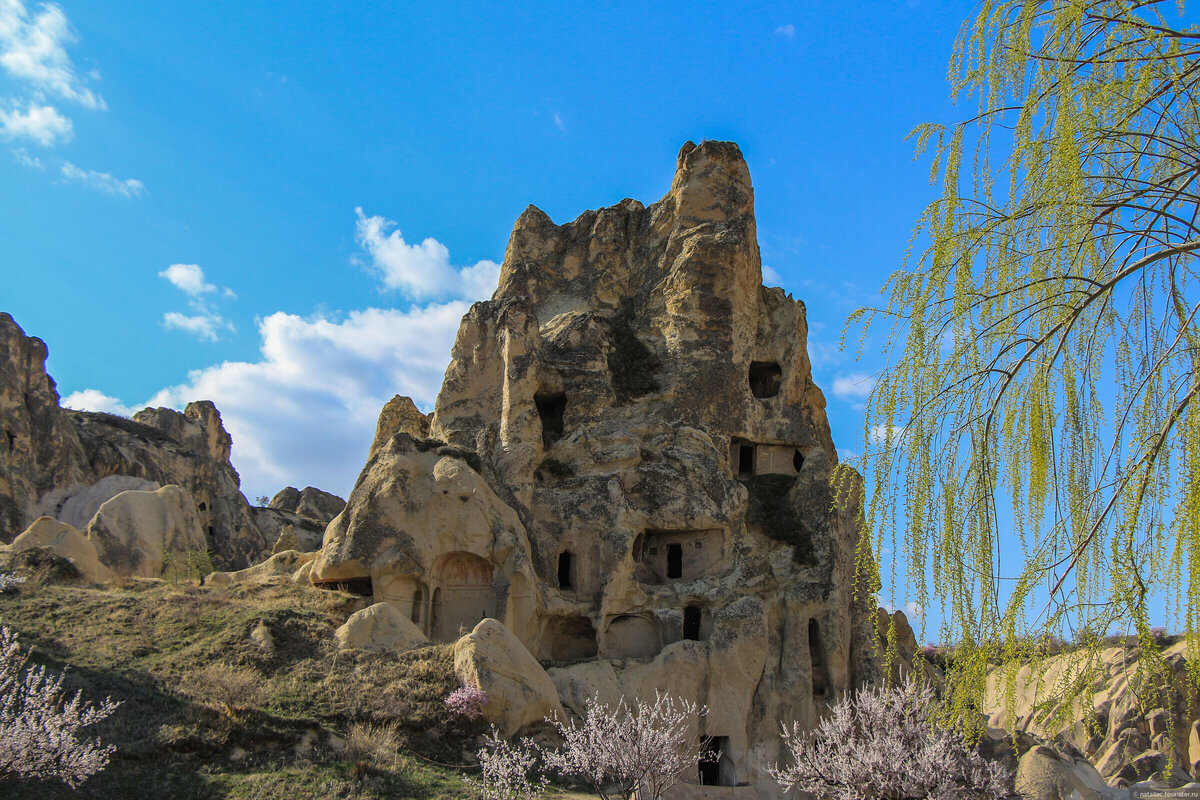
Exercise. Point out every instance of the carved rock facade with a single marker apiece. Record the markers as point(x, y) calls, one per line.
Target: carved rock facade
point(629, 465)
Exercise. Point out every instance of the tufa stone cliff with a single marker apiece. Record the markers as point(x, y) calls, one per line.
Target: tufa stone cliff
point(629, 466)
point(77, 467)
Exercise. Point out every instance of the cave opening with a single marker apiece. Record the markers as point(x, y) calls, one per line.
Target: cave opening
point(691, 623)
point(797, 460)
point(765, 378)
point(715, 766)
point(564, 569)
point(550, 408)
point(745, 460)
point(675, 560)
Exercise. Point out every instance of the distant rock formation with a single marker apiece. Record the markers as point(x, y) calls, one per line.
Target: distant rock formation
point(629, 465)
point(69, 465)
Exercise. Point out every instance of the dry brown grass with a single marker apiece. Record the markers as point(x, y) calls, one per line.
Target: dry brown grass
point(234, 689)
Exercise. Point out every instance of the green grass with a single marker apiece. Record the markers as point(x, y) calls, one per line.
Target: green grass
point(143, 644)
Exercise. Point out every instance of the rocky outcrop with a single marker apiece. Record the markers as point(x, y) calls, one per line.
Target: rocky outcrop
point(65, 464)
point(1122, 727)
point(65, 541)
point(189, 449)
point(630, 466)
point(140, 532)
point(39, 450)
point(519, 692)
point(379, 627)
point(311, 502)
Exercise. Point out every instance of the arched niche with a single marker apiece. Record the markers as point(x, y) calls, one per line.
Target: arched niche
point(519, 608)
point(463, 595)
point(569, 638)
point(632, 636)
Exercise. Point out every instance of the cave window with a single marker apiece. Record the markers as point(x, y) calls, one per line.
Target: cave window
point(797, 460)
point(202, 506)
point(713, 761)
point(675, 560)
point(691, 623)
point(765, 378)
point(418, 602)
point(564, 569)
point(745, 459)
point(816, 657)
point(359, 586)
point(12, 439)
point(550, 408)
point(212, 532)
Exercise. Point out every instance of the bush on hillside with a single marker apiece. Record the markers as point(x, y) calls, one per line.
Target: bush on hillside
point(40, 722)
point(881, 741)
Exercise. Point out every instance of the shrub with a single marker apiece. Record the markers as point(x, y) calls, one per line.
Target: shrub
point(10, 582)
point(642, 750)
point(881, 742)
point(467, 701)
point(508, 770)
point(235, 689)
point(40, 722)
point(371, 745)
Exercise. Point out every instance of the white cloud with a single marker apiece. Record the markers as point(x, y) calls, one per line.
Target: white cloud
point(305, 412)
point(558, 121)
point(884, 434)
point(33, 50)
point(786, 31)
point(853, 387)
point(103, 181)
point(188, 278)
point(770, 276)
point(420, 271)
point(912, 609)
point(40, 123)
point(25, 160)
point(93, 400)
point(206, 325)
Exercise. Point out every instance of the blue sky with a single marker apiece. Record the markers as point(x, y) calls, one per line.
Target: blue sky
point(286, 207)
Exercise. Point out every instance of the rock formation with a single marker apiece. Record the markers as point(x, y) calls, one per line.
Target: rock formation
point(296, 520)
point(67, 464)
point(1124, 729)
point(629, 465)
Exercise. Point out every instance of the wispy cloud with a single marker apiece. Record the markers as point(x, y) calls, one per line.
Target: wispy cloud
point(187, 278)
point(38, 123)
point(786, 31)
point(25, 160)
point(204, 322)
point(420, 271)
point(558, 121)
point(856, 386)
point(205, 325)
point(770, 276)
point(33, 51)
point(103, 181)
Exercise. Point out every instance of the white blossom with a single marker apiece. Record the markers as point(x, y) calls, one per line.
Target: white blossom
point(881, 743)
point(509, 770)
point(40, 722)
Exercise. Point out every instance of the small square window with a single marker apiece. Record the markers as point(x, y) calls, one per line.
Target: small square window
point(699, 544)
point(653, 551)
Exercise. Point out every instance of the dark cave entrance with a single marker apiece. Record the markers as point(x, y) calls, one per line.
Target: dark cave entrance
point(564, 569)
point(765, 378)
point(691, 623)
point(550, 408)
point(675, 560)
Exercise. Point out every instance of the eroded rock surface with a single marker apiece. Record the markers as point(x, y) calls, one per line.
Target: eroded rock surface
point(1124, 731)
point(629, 465)
point(66, 464)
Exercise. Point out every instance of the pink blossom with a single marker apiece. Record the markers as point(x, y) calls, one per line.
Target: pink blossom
point(467, 701)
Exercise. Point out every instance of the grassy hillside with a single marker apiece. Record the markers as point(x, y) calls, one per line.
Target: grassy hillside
point(294, 707)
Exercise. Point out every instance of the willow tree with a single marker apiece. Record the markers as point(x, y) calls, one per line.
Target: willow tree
point(1034, 440)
